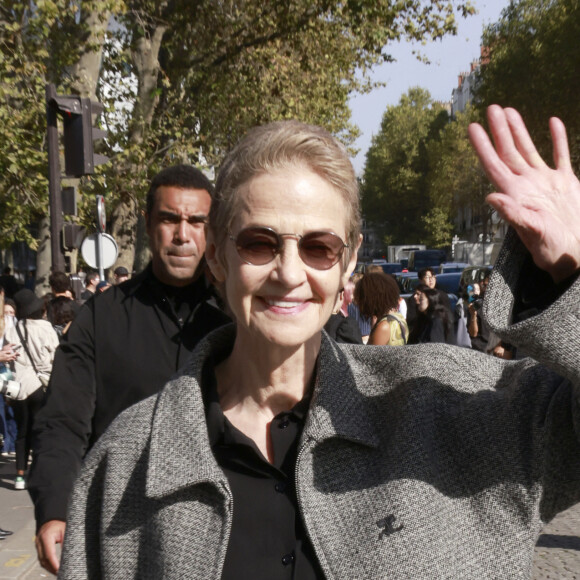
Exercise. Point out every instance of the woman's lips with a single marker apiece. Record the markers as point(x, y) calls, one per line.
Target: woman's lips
point(285, 306)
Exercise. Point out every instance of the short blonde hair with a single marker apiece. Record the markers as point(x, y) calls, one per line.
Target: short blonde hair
point(280, 145)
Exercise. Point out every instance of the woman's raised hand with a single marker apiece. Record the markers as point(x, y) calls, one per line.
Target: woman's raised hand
point(540, 203)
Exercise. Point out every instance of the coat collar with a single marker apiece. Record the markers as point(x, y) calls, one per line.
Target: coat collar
point(180, 451)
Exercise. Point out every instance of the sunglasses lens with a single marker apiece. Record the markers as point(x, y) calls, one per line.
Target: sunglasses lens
point(321, 250)
point(257, 246)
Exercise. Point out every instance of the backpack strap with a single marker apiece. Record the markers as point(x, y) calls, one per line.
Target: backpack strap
point(25, 343)
point(401, 326)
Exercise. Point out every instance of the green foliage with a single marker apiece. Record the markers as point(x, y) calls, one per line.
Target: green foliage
point(533, 66)
point(456, 181)
point(394, 191)
point(183, 80)
point(438, 227)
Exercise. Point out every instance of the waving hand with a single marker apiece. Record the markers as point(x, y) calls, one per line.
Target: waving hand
point(542, 204)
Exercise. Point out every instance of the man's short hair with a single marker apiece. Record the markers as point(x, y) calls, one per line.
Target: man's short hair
point(59, 282)
point(121, 271)
point(90, 277)
point(180, 176)
point(423, 272)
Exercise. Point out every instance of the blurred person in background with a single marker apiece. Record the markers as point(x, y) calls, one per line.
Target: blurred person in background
point(434, 323)
point(91, 280)
point(353, 311)
point(340, 326)
point(8, 354)
point(63, 313)
point(102, 286)
point(377, 296)
point(121, 275)
point(476, 325)
point(38, 342)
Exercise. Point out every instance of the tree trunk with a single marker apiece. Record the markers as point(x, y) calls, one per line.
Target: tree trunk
point(85, 72)
point(125, 215)
point(123, 229)
point(142, 252)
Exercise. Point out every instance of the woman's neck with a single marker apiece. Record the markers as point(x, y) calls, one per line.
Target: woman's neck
point(265, 380)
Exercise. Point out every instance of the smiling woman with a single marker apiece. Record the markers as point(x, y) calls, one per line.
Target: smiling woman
point(294, 457)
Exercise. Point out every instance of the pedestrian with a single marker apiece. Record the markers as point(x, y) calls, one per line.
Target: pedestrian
point(8, 355)
point(434, 321)
point(124, 345)
point(121, 274)
point(102, 286)
point(91, 280)
point(476, 325)
point(377, 295)
point(37, 342)
point(8, 282)
point(294, 456)
point(61, 287)
point(63, 313)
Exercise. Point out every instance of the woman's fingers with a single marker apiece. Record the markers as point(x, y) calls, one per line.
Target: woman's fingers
point(503, 138)
point(522, 139)
point(560, 143)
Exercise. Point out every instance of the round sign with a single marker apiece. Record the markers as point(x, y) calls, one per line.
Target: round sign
point(101, 215)
point(89, 250)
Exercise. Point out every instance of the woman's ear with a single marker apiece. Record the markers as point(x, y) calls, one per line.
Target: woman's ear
point(351, 263)
point(212, 259)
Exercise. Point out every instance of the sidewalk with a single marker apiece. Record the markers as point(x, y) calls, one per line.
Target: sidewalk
point(17, 552)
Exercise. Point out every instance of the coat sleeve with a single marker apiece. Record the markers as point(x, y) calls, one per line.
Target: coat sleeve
point(552, 337)
point(81, 549)
point(62, 428)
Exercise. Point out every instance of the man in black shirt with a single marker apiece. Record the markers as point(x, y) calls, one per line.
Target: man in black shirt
point(124, 345)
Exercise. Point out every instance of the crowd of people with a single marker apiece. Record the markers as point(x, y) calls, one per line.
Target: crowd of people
point(247, 407)
point(31, 329)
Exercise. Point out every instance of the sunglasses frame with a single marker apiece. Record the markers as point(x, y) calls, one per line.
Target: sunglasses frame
point(280, 245)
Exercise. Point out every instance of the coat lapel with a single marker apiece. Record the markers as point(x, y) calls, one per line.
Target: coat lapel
point(180, 453)
point(338, 408)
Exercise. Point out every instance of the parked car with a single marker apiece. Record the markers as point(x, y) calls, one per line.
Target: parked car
point(419, 259)
point(391, 267)
point(401, 277)
point(449, 282)
point(452, 267)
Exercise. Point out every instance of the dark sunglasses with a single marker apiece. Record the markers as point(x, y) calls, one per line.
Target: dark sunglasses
point(319, 250)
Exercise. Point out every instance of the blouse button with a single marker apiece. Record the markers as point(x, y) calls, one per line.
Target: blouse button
point(287, 559)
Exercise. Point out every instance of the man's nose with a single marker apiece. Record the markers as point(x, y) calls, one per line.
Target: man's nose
point(183, 231)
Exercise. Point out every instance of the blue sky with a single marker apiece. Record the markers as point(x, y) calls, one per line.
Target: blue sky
point(450, 57)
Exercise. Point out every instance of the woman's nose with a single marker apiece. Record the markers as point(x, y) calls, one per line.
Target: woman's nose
point(290, 269)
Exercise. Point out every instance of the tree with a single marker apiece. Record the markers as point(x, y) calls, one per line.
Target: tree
point(183, 79)
point(533, 66)
point(394, 191)
point(457, 185)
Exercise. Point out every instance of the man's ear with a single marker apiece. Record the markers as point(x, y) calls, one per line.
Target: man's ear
point(212, 259)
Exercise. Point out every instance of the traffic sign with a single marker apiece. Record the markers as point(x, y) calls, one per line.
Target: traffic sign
point(90, 249)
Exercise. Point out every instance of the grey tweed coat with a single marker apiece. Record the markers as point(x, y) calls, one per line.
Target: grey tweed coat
point(415, 462)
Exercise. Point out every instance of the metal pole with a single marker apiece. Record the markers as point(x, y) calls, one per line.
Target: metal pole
point(54, 194)
point(100, 255)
